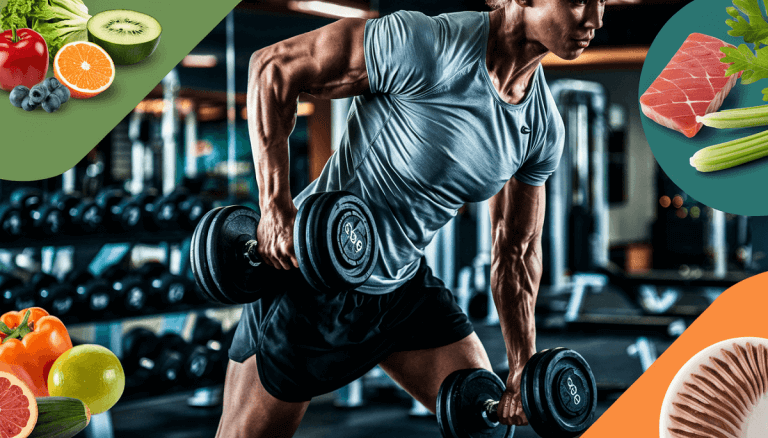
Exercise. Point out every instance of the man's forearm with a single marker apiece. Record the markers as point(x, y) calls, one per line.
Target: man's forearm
point(271, 105)
point(515, 277)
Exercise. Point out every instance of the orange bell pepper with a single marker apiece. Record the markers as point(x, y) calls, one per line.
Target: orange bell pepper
point(33, 340)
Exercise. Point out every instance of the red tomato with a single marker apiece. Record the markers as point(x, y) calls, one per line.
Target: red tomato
point(23, 61)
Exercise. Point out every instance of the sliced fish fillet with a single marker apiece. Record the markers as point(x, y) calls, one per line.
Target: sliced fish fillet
point(692, 84)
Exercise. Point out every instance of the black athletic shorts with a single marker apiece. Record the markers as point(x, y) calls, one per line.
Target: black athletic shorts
point(309, 343)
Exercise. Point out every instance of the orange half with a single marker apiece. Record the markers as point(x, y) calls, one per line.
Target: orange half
point(85, 68)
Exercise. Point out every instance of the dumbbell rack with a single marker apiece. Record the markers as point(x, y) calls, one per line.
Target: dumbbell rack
point(107, 325)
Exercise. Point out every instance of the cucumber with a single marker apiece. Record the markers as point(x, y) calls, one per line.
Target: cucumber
point(127, 36)
point(60, 417)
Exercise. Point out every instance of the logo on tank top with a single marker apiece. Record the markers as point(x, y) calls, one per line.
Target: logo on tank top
point(525, 130)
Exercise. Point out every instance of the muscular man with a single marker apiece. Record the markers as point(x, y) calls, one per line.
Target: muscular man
point(447, 110)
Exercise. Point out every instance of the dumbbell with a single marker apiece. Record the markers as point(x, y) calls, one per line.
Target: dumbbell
point(15, 293)
point(197, 361)
point(80, 215)
point(164, 289)
point(121, 212)
point(559, 396)
point(209, 333)
point(129, 289)
point(191, 210)
point(10, 222)
point(147, 361)
point(50, 294)
point(38, 217)
point(334, 237)
point(92, 294)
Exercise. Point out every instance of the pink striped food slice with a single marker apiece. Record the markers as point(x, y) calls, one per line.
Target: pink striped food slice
point(693, 83)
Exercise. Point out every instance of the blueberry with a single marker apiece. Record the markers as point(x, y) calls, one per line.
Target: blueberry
point(63, 93)
point(52, 83)
point(51, 103)
point(27, 104)
point(18, 94)
point(38, 93)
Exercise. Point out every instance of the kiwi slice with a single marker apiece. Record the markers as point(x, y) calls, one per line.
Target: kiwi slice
point(128, 36)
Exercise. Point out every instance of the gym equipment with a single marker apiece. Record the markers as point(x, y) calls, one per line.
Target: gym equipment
point(38, 218)
point(91, 294)
point(334, 237)
point(121, 213)
point(164, 289)
point(209, 333)
point(147, 361)
point(130, 289)
point(80, 215)
point(10, 222)
point(14, 293)
point(559, 396)
point(191, 210)
point(52, 295)
point(198, 362)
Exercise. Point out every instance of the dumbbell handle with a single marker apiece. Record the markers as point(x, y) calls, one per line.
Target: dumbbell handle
point(490, 411)
point(251, 254)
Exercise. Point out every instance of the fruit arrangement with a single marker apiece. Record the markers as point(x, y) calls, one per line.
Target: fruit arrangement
point(50, 388)
point(84, 48)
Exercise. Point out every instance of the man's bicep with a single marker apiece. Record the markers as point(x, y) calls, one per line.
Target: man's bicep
point(517, 213)
point(327, 63)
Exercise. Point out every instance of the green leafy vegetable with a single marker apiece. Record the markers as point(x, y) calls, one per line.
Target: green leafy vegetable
point(756, 29)
point(58, 21)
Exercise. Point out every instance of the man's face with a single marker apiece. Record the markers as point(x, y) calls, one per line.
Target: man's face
point(564, 27)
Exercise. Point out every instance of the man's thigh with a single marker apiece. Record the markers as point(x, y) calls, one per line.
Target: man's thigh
point(421, 372)
point(250, 411)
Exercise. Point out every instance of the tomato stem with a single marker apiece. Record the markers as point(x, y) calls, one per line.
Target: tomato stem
point(15, 37)
point(19, 332)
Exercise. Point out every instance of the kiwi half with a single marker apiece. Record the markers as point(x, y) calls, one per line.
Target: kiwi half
point(128, 36)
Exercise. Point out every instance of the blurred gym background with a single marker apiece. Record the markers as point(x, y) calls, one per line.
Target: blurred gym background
point(630, 260)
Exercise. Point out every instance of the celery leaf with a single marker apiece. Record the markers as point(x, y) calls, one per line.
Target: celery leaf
point(756, 29)
point(754, 66)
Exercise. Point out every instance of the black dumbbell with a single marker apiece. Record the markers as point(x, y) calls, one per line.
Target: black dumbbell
point(191, 210)
point(52, 295)
point(27, 199)
point(15, 293)
point(559, 396)
point(129, 289)
point(209, 333)
point(164, 289)
point(121, 212)
point(92, 294)
point(147, 361)
point(39, 218)
point(10, 222)
point(198, 361)
point(334, 238)
point(80, 215)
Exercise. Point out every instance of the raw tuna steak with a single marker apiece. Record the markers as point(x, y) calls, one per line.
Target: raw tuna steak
point(693, 83)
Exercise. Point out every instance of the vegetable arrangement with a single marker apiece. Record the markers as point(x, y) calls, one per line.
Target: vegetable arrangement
point(84, 49)
point(753, 67)
point(59, 386)
point(58, 21)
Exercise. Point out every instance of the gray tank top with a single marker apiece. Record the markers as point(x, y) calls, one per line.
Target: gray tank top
point(433, 134)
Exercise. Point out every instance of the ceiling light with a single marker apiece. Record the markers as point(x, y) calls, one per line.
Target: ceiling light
point(326, 9)
point(199, 61)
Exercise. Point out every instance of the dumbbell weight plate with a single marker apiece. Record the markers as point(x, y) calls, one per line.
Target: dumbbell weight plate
point(301, 237)
point(198, 260)
point(49, 219)
point(235, 280)
point(10, 221)
point(460, 405)
point(564, 394)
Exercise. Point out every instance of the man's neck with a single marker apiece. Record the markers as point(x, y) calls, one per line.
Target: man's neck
point(512, 58)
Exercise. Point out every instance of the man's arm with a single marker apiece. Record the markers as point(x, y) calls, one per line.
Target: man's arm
point(328, 63)
point(517, 218)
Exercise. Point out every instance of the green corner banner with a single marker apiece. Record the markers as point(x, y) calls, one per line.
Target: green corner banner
point(37, 145)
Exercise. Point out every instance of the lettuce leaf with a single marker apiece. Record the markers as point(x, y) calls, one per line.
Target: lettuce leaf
point(58, 21)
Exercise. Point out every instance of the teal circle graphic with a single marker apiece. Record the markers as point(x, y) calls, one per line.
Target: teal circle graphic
point(738, 190)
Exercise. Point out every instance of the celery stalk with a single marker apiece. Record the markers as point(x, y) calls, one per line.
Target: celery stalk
point(731, 153)
point(736, 118)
